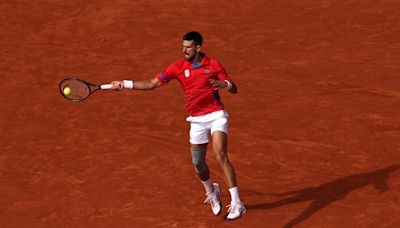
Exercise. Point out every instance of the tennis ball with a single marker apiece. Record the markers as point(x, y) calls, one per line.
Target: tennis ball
point(67, 91)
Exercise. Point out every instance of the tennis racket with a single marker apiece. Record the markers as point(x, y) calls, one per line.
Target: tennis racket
point(75, 89)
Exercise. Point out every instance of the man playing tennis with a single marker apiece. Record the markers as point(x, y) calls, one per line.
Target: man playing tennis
point(201, 78)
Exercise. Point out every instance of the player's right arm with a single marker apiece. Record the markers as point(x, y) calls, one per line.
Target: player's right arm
point(162, 78)
point(138, 85)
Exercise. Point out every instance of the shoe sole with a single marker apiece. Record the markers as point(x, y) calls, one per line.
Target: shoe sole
point(218, 213)
point(220, 210)
point(220, 204)
point(228, 219)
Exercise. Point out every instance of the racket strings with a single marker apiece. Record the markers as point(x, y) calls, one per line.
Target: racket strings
point(74, 90)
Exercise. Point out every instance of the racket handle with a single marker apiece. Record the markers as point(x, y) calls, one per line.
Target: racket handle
point(106, 86)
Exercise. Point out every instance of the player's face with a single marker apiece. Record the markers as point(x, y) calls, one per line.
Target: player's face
point(190, 50)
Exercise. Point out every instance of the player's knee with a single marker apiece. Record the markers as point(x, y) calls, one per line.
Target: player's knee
point(199, 159)
point(200, 167)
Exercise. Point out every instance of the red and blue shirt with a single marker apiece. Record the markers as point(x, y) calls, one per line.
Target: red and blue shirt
point(201, 96)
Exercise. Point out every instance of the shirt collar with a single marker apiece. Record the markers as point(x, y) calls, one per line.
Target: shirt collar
point(204, 62)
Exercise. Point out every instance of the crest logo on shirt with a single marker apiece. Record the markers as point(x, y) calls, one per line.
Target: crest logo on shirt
point(187, 73)
point(207, 71)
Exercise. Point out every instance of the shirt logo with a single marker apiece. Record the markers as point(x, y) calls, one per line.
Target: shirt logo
point(207, 71)
point(187, 73)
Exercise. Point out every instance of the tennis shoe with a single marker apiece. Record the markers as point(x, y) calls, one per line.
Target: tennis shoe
point(235, 210)
point(213, 198)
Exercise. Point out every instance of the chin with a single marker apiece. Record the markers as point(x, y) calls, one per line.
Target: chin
point(189, 58)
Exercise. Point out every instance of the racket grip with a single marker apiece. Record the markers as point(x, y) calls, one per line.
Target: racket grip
point(106, 86)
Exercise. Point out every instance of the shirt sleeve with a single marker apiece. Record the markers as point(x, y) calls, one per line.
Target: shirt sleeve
point(222, 74)
point(167, 74)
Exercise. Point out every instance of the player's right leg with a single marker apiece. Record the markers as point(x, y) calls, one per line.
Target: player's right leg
point(212, 189)
point(199, 137)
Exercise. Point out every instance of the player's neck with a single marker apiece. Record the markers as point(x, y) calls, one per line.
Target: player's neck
point(198, 58)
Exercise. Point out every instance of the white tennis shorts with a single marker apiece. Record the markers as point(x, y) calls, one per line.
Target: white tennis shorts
point(202, 127)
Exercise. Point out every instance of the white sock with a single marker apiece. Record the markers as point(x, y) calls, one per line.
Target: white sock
point(234, 194)
point(208, 186)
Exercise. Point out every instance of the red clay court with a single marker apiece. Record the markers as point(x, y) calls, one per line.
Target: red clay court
point(314, 130)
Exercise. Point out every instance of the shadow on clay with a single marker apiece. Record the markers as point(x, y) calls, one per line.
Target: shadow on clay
point(325, 194)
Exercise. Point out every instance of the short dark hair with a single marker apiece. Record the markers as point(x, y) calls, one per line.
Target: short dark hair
point(195, 36)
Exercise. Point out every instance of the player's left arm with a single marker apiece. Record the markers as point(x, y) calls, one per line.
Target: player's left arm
point(224, 84)
point(224, 80)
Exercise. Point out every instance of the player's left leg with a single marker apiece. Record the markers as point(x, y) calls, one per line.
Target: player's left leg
point(220, 147)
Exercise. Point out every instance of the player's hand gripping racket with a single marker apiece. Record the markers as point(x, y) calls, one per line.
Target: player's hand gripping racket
point(75, 89)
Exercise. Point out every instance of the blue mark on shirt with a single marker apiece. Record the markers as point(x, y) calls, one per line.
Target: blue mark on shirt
point(216, 96)
point(163, 77)
point(195, 65)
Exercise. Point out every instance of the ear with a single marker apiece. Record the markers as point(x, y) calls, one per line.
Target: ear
point(198, 47)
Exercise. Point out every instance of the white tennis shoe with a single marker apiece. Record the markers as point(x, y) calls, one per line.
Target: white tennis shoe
point(235, 210)
point(214, 199)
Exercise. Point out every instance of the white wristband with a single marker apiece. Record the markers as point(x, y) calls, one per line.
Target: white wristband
point(128, 84)
point(229, 86)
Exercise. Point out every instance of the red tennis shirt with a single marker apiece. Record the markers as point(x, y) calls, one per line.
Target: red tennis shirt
point(201, 97)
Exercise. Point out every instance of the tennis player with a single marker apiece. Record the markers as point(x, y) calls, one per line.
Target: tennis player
point(201, 78)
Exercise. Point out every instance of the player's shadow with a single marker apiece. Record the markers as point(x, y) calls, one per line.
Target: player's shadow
point(325, 194)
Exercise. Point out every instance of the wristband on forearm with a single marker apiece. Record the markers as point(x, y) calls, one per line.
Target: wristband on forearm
point(229, 84)
point(128, 84)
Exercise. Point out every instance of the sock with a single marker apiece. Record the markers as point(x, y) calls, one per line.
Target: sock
point(234, 194)
point(208, 186)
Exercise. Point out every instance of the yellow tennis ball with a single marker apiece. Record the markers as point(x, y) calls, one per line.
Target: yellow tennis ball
point(67, 91)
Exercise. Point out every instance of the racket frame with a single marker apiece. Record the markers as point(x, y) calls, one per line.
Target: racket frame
point(88, 84)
